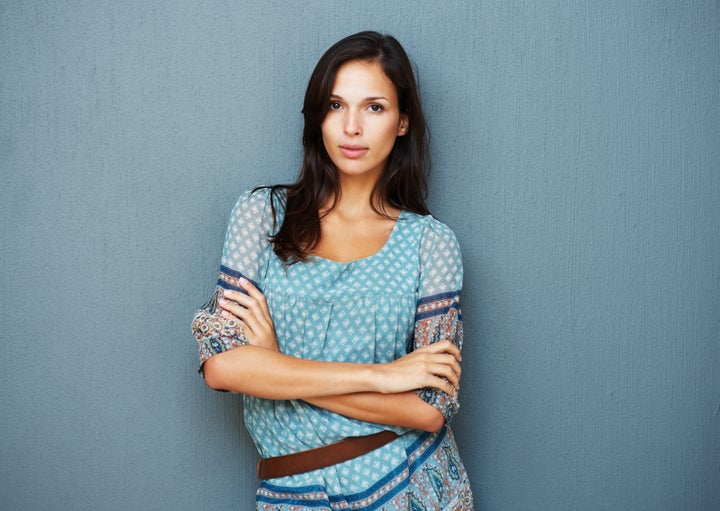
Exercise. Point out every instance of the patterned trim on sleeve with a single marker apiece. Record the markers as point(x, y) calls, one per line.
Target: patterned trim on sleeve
point(230, 279)
point(214, 333)
point(438, 304)
point(438, 317)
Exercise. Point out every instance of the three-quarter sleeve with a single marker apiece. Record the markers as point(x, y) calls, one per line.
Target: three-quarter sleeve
point(245, 253)
point(438, 315)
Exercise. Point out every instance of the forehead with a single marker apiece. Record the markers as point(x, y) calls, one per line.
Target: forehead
point(363, 79)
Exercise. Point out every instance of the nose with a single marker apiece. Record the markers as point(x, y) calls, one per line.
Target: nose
point(352, 123)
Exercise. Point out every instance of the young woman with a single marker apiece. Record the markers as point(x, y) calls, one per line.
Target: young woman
point(337, 309)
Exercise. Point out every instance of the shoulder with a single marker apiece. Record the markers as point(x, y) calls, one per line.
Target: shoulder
point(441, 268)
point(258, 205)
point(439, 231)
point(246, 239)
point(254, 198)
point(432, 232)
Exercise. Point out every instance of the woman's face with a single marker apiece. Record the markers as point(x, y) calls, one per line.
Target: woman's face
point(364, 119)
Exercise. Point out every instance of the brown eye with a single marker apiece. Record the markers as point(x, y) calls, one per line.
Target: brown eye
point(334, 105)
point(376, 108)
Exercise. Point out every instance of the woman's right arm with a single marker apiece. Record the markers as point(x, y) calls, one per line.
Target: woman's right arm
point(269, 374)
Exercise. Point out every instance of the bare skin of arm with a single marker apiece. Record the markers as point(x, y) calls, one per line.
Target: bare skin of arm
point(380, 393)
point(404, 409)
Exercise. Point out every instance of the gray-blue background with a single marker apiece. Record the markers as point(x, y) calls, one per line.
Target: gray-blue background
point(576, 155)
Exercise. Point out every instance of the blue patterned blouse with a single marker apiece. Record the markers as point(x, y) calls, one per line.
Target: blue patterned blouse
point(371, 310)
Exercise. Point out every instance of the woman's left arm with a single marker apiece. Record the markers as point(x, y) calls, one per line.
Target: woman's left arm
point(404, 409)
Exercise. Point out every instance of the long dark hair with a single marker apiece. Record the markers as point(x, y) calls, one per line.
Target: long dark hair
point(402, 184)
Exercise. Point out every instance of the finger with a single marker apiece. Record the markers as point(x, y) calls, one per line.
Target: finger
point(257, 327)
point(253, 300)
point(449, 346)
point(445, 360)
point(237, 296)
point(233, 309)
point(229, 316)
point(248, 327)
point(453, 363)
point(441, 384)
point(446, 372)
point(259, 298)
point(232, 299)
point(445, 346)
point(233, 321)
point(444, 365)
point(249, 287)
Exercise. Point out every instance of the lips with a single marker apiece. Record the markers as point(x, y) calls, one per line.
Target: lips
point(353, 151)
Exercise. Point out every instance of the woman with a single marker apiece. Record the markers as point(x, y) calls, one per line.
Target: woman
point(337, 307)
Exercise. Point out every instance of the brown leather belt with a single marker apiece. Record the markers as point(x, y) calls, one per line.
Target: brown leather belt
point(321, 457)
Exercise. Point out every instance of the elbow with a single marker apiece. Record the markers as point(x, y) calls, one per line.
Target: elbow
point(213, 374)
point(432, 421)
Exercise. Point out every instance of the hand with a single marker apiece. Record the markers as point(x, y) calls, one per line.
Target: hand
point(436, 366)
point(251, 312)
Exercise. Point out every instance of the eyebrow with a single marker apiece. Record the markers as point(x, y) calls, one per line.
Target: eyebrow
point(371, 98)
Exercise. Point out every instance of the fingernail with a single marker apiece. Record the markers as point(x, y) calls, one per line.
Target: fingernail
point(243, 280)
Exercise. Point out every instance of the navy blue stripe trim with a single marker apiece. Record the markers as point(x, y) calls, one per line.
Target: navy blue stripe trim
point(291, 489)
point(304, 503)
point(236, 275)
point(439, 296)
point(221, 283)
point(389, 495)
point(437, 312)
point(402, 485)
point(359, 496)
point(382, 482)
point(429, 451)
point(417, 443)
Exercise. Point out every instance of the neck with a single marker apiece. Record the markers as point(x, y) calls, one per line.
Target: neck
point(356, 194)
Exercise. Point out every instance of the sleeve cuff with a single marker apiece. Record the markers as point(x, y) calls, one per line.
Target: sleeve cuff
point(447, 405)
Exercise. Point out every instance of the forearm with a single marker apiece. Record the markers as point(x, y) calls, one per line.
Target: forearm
point(270, 374)
point(404, 409)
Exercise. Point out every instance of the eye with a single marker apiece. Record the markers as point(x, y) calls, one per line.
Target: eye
point(376, 108)
point(334, 105)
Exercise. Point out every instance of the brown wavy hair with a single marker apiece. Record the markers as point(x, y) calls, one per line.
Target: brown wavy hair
point(403, 183)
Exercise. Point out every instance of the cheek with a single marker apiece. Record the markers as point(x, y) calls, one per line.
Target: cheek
point(390, 134)
point(328, 128)
point(325, 132)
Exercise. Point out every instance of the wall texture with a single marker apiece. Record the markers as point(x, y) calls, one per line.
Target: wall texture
point(576, 155)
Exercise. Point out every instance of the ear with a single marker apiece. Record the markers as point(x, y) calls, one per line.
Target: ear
point(403, 127)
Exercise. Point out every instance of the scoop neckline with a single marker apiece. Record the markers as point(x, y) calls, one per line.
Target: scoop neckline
point(317, 258)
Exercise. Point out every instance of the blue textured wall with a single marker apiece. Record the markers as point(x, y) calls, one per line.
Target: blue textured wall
point(576, 155)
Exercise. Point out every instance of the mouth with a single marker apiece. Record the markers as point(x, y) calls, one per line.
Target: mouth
point(353, 151)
